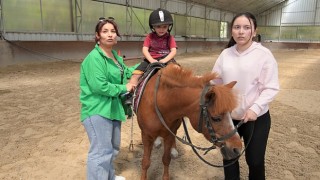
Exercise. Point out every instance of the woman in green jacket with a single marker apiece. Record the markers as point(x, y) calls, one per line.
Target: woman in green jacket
point(103, 78)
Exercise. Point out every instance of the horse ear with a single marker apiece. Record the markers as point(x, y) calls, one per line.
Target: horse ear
point(210, 95)
point(231, 84)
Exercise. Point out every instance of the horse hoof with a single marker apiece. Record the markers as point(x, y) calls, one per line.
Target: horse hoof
point(174, 153)
point(157, 143)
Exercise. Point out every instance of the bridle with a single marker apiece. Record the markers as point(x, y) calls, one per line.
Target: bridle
point(206, 117)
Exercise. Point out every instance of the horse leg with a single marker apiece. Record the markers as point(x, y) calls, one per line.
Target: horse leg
point(157, 142)
point(147, 149)
point(174, 152)
point(166, 158)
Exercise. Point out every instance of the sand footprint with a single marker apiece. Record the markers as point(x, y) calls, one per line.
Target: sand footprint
point(315, 128)
point(294, 130)
point(315, 176)
point(301, 149)
point(288, 175)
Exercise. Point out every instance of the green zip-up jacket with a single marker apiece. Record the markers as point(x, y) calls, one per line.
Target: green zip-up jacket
point(101, 84)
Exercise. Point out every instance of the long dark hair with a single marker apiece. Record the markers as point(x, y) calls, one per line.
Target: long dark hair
point(250, 18)
point(102, 21)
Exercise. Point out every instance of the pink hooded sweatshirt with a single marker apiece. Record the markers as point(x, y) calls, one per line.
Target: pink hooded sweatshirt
point(256, 73)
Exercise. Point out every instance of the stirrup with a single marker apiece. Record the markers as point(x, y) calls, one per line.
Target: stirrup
point(129, 98)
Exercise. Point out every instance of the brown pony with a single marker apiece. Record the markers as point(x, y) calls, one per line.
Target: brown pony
point(178, 95)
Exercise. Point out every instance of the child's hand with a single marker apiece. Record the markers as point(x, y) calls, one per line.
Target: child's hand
point(153, 61)
point(161, 61)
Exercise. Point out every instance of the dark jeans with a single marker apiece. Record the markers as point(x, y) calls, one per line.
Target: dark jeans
point(255, 152)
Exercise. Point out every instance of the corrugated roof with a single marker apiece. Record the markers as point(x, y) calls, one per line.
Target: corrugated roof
point(253, 6)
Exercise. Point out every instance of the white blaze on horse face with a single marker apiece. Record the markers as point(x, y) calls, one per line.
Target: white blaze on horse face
point(230, 120)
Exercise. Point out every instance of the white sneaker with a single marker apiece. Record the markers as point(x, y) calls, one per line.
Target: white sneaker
point(120, 178)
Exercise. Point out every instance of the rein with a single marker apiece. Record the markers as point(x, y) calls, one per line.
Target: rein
point(204, 116)
point(205, 161)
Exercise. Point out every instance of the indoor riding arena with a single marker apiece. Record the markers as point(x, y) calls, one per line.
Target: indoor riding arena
point(42, 45)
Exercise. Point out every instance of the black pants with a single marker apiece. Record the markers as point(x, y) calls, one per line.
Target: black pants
point(255, 152)
point(144, 64)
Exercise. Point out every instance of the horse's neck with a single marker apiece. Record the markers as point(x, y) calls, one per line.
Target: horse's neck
point(181, 101)
point(184, 102)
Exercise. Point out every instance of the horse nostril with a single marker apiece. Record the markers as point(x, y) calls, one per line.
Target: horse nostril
point(237, 151)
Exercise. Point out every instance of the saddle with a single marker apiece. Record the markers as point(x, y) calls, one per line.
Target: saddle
point(150, 71)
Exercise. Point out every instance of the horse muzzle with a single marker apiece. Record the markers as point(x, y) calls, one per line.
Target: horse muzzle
point(230, 153)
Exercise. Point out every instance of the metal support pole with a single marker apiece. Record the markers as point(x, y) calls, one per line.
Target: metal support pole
point(71, 16)
point(41, 16)
point(279, 38)
point(206, 24)
point(189, 6)
point(129, 17)
point(2, 29)
point(78, 14)
point(220, 27)
point(163, 4)
point(315, 12)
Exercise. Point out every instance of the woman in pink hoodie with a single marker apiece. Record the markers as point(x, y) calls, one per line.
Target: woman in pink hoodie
point(256, 71)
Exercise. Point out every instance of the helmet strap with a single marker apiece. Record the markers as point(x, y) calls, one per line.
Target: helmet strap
point(170, 28)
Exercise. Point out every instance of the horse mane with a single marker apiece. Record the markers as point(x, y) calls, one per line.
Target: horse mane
point(225, 99)
point(174, 75)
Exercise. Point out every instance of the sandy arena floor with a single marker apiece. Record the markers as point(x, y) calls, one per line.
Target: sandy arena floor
point(41, 136)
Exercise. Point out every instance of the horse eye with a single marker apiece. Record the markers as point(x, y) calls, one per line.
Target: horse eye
point(216, 118)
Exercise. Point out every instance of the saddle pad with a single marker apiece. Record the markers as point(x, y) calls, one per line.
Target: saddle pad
point(142, 83)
